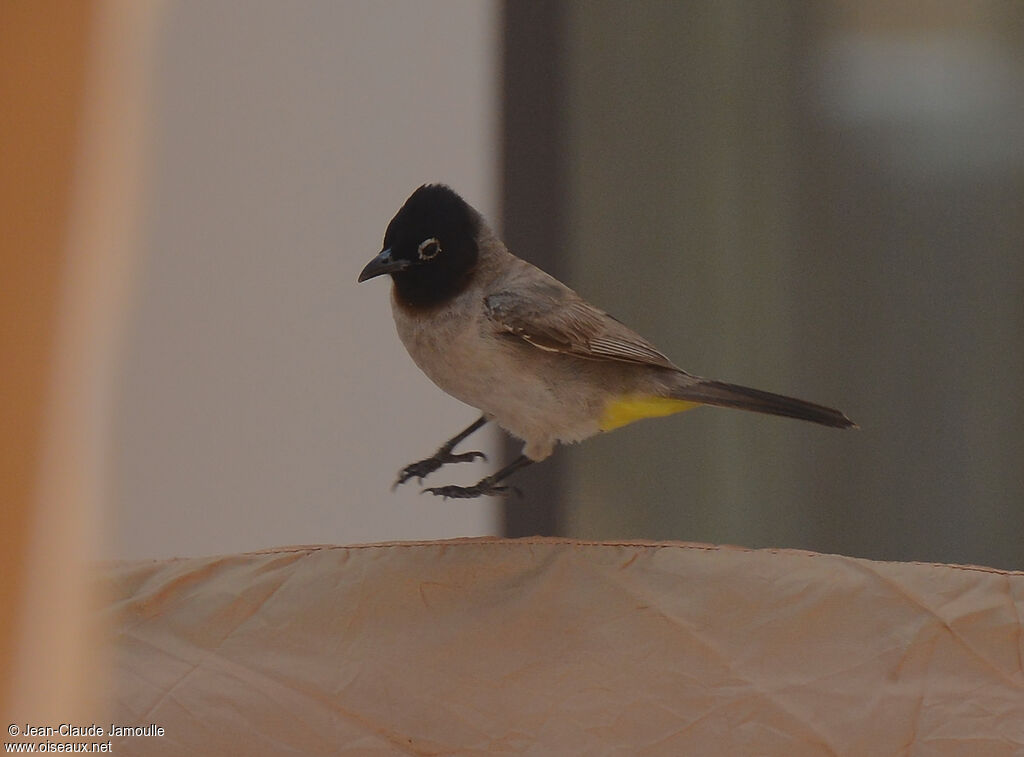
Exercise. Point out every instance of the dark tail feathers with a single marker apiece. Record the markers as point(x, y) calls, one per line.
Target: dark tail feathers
point(720, 394)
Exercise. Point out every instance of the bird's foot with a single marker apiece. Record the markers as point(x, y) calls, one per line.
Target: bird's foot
point(424, 468)
point(483, 488)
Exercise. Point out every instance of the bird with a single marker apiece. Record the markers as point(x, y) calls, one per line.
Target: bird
point(533, 356)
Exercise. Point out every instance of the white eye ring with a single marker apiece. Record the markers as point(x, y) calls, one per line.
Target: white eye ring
point(424, 250)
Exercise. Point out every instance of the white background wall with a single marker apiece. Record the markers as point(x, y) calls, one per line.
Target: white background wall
point(265, 397)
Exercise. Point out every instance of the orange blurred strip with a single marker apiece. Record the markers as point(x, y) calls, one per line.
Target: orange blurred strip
point(43, 59)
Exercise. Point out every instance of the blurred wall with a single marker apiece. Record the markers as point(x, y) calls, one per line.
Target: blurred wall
point(266, 399)
point(818, 199)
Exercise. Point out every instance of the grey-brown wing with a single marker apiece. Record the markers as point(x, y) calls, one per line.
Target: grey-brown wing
point(552, 317)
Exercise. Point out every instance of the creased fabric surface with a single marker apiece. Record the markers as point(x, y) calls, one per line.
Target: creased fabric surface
point(547, 646)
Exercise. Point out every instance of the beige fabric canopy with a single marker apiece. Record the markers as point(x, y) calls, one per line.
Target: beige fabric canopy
point(547, 646)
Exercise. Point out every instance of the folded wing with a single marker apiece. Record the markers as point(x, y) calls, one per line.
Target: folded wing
point(552, 317)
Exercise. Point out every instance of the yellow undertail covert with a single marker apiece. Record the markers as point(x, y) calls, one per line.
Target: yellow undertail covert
point(623, 410)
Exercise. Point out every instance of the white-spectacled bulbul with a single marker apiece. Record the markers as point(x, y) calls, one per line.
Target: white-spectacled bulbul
point(503, 336)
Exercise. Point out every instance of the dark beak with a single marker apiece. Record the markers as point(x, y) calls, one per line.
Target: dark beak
point(382, 264)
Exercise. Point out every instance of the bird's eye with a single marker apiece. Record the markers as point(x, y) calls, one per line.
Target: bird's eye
point(429, 248)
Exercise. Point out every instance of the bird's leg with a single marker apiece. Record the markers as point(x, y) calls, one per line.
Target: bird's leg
point(443, 456)
point(487, 486)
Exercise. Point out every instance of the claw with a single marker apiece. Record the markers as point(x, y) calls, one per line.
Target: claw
point(471, 492)
point(485, 486)
point(423, 468)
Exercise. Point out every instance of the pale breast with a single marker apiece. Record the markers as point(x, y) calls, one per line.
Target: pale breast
point(446, 345)
point(534, 395)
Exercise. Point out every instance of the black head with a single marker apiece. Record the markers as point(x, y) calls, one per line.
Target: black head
point(430, 247)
